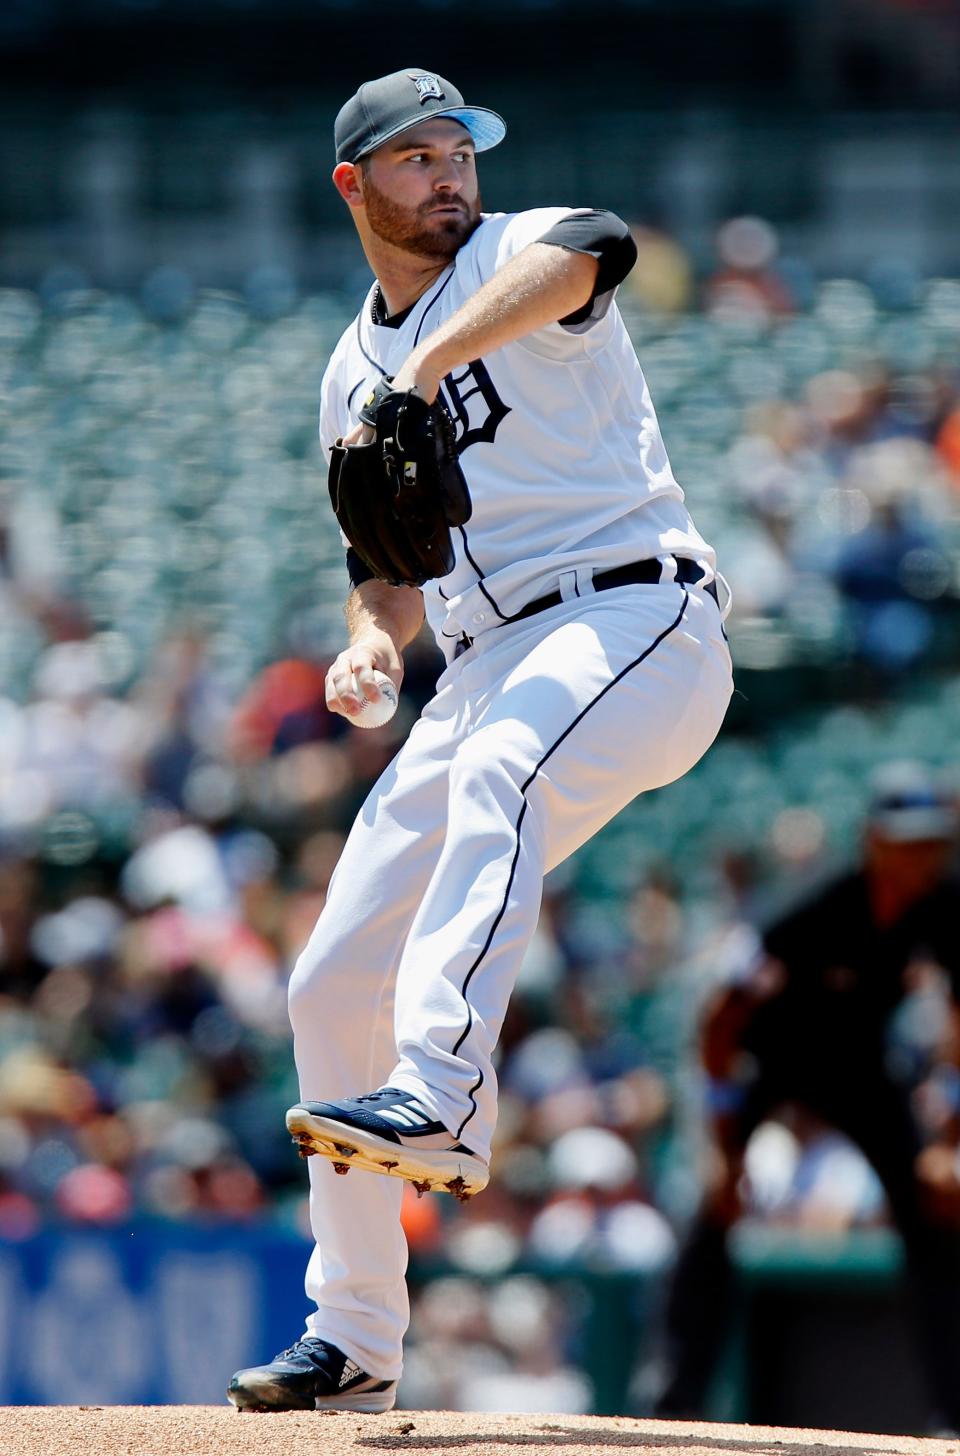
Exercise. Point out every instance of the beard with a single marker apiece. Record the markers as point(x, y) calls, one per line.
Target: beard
point(413, 229)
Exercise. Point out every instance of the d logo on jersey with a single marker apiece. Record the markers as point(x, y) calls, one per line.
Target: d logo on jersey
point(476, 407)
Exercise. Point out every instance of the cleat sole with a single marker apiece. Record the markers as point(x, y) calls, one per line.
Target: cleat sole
point(364, 1402)
point(457, 1173)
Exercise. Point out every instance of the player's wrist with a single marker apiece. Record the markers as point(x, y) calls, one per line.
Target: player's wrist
point(389, 614)
point(423, 371)
point(382, 646)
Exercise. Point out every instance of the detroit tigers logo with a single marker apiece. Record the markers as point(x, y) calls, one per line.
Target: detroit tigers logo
point(427, 87)
point(476, 407)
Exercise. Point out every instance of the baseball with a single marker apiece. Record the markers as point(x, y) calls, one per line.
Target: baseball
point(374, 715)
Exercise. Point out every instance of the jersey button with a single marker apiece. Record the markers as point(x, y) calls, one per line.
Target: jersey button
point(478, 619)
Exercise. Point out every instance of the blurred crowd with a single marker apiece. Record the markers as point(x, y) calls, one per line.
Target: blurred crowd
point(174, 795)
point(825, 414)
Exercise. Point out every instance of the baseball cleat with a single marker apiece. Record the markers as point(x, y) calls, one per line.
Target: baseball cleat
point(311, 1375)
point(388, 1132)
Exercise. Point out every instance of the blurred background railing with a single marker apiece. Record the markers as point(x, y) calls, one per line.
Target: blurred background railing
point(120, 187)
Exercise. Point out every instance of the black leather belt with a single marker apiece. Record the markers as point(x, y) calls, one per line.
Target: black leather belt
point(645, 572)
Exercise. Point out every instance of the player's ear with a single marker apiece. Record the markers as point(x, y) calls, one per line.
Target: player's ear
point(347, 181)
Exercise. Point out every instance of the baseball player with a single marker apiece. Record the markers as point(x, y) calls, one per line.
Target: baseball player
point(586, 663)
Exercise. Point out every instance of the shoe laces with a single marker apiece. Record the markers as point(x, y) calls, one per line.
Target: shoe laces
point(380, 1094)
point(303, 1346)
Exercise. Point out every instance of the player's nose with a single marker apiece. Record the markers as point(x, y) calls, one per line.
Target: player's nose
point(447, 177)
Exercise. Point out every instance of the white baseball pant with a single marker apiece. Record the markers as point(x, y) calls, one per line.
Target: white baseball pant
point(537, 736)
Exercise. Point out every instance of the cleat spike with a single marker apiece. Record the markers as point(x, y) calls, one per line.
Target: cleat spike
point(347, 1152)
point(388, 1166)
point(459, 1189)
point(423, 1187)
point(341, 1168)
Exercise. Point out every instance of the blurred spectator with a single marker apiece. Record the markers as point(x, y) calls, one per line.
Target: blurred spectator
point(661, 278)
point(948, 443)
point(597, 1215)
point(807, 1022)
point(491, 1349)
point(747, 279)
point(893, 571)
point(283, 708)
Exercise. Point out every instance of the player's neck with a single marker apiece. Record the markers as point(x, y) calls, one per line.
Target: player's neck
point(403, 277)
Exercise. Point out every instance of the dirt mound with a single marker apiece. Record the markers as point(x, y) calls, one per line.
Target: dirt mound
point(218, 1431)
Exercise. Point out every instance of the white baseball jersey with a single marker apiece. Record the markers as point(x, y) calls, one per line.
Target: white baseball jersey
point(566, 466)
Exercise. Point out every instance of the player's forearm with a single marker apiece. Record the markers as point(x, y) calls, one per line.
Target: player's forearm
point(540, 285)
point(376, 609)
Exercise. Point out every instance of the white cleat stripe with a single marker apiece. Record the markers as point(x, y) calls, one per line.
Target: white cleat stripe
point(403, 1117)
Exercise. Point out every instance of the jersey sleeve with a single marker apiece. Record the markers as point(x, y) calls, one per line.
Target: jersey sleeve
point(334, 414)
point(330, 429)
point(505, 235)
point(508, 233)
point(601, 235)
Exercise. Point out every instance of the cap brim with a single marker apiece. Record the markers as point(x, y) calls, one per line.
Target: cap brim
point(486, 128)
point(904, 826)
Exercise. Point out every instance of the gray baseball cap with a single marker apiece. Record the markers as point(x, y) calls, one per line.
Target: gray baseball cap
point(908, 804)
point(384, 108)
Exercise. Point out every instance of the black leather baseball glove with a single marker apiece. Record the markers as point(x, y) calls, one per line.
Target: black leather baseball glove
point(397, 497)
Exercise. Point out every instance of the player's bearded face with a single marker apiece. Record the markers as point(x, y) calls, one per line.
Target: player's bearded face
point(432, 226)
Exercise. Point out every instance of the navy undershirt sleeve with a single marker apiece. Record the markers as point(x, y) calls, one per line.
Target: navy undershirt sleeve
point(605, 237)
point(357, 569)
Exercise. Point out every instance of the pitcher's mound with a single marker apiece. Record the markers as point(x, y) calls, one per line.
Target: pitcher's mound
point(222, 1431)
